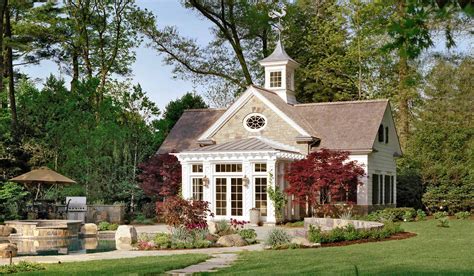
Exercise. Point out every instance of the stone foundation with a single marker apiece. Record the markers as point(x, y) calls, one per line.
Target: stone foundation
point(327, 224)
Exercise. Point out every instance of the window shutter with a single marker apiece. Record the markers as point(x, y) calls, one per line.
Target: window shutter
point(387, 191)
point(386, 135)
point(375, 189)
point(380, 133)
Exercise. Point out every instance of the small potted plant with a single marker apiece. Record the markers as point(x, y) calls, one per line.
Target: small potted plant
point(254, 217)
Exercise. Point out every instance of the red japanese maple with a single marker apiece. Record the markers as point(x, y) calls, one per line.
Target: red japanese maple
point(323, 176)
point(161, 175)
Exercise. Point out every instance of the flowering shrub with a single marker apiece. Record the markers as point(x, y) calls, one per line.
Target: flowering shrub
point(146, 245)
point(192, 214)
point(237, 224)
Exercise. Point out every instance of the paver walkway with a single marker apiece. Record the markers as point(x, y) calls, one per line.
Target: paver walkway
point(122, 254)
point(217, 261)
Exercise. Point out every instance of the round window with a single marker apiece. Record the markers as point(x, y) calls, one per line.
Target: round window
point(255, 122)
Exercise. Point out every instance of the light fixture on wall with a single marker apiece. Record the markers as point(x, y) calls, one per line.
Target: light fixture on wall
point(245, 181)
point(205, 181)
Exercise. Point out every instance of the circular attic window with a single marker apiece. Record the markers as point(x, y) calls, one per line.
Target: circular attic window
point(255, 122)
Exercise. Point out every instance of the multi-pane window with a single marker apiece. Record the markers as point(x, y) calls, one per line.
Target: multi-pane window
point(261, 195)
point(221, 196)
point(236, 196)
point(275, 79)
point(383, 189)
point(220, 168)
point(197, 168)
point(260, 167)
point(197, 189)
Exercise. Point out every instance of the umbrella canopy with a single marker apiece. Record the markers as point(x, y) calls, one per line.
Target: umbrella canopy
point(43, 175)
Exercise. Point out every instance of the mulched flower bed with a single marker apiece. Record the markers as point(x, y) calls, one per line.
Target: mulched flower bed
point(398, 236)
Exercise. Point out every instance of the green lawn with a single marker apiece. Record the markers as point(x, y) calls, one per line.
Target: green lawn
point(435, 250)
point(133, 266)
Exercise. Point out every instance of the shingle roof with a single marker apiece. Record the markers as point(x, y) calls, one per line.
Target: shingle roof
point(248, 144)
point(189, 127)
point(345, 125)
point(288, 109)
point(351, 125)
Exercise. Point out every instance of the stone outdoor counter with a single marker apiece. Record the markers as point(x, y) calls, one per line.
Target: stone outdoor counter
point(327, 224)
point(44, 228)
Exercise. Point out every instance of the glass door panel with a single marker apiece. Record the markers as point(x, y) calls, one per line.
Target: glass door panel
point(236, 197)
point(221, 196)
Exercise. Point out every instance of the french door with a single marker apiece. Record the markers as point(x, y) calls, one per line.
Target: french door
point(228, 197)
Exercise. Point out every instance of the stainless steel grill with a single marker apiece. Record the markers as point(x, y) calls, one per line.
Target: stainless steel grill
point(76, 207)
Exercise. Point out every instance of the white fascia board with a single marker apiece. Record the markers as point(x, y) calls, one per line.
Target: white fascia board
point(281, 114)
point(228, 114)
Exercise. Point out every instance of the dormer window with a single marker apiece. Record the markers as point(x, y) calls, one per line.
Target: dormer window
point(275, 79)
point(381, 134)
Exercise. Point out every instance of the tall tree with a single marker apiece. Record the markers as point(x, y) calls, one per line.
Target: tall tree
point(173, 112)
point(442, 147)
point(317, 38)
point(241, 37)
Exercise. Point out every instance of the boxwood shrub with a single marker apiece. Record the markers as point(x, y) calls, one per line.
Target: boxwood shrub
point(350, 233)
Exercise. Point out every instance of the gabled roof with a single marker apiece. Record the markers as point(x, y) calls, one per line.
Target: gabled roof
point(350, 125)
point(186, 131)
point(248, 144)
point(269, 100)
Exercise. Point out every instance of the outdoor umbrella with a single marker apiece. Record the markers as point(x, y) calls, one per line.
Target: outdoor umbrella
point(40, 176)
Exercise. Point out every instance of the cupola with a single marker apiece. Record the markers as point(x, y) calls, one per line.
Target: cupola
point(280, 73)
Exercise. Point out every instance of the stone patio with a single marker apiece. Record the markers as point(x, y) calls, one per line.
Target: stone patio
point(118, 254)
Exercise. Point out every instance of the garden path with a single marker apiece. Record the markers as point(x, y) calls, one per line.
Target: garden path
point(217, 261)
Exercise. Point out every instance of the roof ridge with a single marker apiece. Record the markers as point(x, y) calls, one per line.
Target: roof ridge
point(265, 90)
point(204, 109)
point(342, 102)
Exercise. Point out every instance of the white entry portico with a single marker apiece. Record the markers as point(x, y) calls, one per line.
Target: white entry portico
point(234, 176)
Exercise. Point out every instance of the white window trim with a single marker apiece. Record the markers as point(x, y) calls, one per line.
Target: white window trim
point(255, 114)
point(270, 79)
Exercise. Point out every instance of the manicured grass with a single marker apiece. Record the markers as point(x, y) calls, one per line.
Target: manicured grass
point(131, 266)
point(435, 250)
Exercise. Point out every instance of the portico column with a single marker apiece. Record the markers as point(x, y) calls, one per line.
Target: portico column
point(247, 191)
point(208, 191)
point(186, 189)
point(272, 180)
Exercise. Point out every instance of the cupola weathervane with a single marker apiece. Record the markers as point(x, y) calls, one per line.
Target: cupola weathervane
point(278, 14)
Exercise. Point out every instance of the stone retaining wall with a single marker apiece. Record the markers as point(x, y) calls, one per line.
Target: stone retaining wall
point(110, 213)
point(327, 224)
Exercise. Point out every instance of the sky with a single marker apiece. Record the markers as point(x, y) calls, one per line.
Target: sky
point(149, 71)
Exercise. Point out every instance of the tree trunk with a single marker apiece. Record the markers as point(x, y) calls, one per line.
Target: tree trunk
point(10, 73)
point(75, 69)
point(3, 5)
